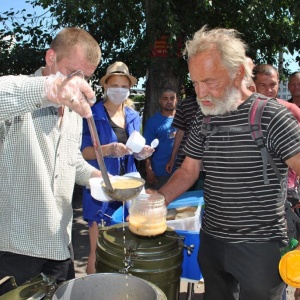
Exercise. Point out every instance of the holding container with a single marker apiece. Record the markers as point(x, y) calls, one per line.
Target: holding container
point(147, 215)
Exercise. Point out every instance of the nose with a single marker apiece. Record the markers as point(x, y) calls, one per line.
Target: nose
point(201, 89)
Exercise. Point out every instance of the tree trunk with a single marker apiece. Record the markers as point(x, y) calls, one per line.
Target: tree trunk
point(161, 72)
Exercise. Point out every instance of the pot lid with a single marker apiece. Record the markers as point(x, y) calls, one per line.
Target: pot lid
point(119, 237)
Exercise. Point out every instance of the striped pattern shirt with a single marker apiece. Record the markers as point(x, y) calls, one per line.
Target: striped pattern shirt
point(239, 207)
point(185, 113)
point(40, 160)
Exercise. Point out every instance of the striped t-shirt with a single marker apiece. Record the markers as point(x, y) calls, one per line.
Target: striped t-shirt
point(239, 207)
point(184, 117)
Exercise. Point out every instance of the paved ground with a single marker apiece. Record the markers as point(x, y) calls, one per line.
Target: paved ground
point(81, 250)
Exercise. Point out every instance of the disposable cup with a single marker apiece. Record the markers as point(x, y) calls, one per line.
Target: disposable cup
point(136, 142)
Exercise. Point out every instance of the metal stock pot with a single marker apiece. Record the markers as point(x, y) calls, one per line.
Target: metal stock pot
point(108, 286)
point(104, 286)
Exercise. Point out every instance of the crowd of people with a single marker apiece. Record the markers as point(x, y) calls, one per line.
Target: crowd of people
point(46, 147)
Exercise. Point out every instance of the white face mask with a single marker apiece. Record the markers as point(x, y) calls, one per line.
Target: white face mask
point(117, 95)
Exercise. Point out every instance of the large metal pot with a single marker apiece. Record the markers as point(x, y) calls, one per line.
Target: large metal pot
point(107, 286)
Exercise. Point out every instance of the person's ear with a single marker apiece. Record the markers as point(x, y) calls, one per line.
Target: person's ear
point(239, 76)
point(50, 57)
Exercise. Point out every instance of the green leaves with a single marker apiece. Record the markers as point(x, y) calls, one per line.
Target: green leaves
point(126, 29)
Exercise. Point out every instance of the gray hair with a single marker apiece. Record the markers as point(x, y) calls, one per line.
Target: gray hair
point(226, 41)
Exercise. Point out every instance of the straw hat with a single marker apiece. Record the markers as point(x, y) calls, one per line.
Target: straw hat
point(118, 68)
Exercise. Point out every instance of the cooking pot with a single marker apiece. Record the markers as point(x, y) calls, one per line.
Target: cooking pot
point(107, 286)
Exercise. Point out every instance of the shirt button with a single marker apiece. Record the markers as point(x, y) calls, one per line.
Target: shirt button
point(56, 176)
point(38, 105)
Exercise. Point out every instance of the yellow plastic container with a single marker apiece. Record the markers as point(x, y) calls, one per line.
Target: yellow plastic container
point(289, 268)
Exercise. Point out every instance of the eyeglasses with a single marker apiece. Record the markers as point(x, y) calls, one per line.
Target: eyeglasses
point(79, 72)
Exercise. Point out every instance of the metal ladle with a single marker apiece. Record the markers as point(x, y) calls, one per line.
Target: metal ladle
point(98, 152)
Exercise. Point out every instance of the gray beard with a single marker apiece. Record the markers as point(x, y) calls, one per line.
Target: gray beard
point(223, 106)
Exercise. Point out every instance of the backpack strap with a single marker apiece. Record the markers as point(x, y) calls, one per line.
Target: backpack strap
point(255, 115)
point(204, 128)
point(254, 127)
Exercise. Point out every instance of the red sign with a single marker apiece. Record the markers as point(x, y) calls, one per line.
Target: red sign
point(160, 48)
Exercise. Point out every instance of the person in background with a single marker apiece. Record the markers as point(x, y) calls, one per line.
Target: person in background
point(40, 158)
point(266, 79)
point(294, 88)
point(159, 126)
point(266, 75)
point(115, 120)
point(182, 121)
point(184, 116)
point(243, 219)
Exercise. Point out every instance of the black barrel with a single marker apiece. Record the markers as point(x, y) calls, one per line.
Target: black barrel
point(156, 259)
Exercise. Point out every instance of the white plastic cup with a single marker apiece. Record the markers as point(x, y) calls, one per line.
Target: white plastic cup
point(136, 142)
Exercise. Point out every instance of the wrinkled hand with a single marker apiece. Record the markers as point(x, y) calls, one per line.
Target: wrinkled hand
point(119, 150)
point(73, 92)
point(145, 153)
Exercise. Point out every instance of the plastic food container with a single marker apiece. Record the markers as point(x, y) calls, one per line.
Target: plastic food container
point(147, 215)
point(136, 142)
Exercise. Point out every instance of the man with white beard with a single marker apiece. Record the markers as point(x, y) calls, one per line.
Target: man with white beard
point(243, 226)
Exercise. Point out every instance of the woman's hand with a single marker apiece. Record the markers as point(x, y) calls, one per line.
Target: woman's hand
point(145, 153)
point(117, 150)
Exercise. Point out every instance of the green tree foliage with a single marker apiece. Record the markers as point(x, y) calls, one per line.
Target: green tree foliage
point(126, 30)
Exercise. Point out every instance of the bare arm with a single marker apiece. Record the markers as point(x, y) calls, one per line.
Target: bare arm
point(294, 163)
point(150, 176)
point(181, 180)
point(178, 138)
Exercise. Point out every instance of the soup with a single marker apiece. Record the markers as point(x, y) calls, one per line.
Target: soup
point(122, 184)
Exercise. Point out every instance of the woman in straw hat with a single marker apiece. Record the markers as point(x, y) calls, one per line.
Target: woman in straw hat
point(115, 120)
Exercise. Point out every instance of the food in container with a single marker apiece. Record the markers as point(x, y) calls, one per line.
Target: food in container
point(147, 215)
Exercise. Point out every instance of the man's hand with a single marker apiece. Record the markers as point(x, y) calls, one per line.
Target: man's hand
point(73, 92)
point(150, 177)
point(170, 165)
